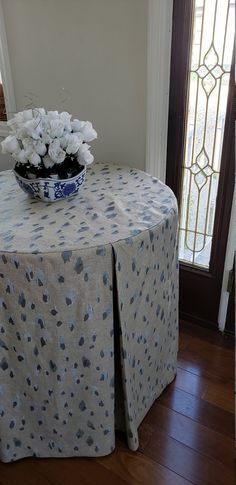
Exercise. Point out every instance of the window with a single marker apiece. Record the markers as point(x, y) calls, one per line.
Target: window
point(211, 57)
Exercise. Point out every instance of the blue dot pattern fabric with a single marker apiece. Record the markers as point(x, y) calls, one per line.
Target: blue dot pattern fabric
point(85, 282)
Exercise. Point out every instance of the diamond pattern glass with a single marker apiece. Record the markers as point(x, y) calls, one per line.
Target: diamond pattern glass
point(211, 57)
point(208, 83)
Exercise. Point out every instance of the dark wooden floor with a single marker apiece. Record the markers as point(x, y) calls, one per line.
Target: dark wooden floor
point(187, 437)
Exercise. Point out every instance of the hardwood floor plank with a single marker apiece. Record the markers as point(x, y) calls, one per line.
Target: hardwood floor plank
point(82, 470)
point(185, 461)
point(189, 382)
point(203, 348)
point(25, 472)
point(188, 432)
point(206, 365)
point(201, 411)
point(187, 338)
point(209, 356)
point(220, 395)
point(65, 471)
point(145, 433)
point(139, 469)
point(213, 390)
point(206, 335)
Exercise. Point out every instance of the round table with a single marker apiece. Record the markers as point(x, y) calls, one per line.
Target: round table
point(88, 312)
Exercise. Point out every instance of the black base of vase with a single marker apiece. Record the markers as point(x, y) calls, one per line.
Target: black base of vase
point(67, 169)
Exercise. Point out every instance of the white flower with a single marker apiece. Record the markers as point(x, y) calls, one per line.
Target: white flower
point(39, 112)
point(70, 138)
point(34, 159)
point(21, 132)
point(52, 115)
point(88, 132)
point(28, 146)
point(21, 157)
point(20, 119)
point(49, 137)
point(27, 114)
point(84, 156)
point(76, 125)
point(56, 128)
point(40, 148)
point(55, 145)
point(64, 140)
point(65, 118)
point(48, 162)
point(33, 128)
point(55, 152)
point(73, 143)
point(46, 138)
point(10, 144)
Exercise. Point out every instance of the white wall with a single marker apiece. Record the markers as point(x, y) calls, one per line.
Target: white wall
point(87, 57)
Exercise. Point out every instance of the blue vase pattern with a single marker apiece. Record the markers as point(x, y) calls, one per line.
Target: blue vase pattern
point(51, 190)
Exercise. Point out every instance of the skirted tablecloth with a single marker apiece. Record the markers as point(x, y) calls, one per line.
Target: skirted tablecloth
point(88, 312)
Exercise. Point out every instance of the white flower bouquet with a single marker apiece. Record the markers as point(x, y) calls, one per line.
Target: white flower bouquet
point(48, 144)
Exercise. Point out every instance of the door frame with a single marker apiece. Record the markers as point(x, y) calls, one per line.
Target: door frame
point(229, 261)
point(159, 34)
point(181, 38)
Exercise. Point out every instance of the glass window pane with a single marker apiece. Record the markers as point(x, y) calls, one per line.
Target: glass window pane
point(211, 57)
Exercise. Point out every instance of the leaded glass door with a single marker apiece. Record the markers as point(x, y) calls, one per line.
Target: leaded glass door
point(201, 147)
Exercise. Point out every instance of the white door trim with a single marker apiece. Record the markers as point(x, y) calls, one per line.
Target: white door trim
point(229, 260)
point(158, 80)
point(6, 75)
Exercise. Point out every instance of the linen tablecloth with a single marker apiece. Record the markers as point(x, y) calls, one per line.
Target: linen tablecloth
point(84, 283)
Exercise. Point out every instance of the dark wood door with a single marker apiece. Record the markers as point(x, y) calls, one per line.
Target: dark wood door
point(200, 287)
